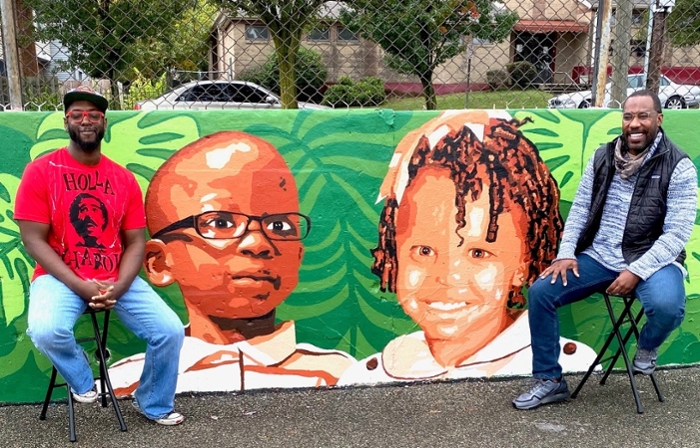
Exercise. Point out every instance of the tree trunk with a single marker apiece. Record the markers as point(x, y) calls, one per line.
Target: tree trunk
point(287, 46)
point(426, 80)
point(656, 52)
point(29, 66)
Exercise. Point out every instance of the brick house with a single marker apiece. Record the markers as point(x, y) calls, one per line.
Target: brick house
point(555, 35)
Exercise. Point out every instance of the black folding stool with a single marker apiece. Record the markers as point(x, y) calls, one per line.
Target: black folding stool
point(625, 317)
point(100, 339)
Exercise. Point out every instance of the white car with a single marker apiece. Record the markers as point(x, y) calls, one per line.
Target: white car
point(672, 95)
point(215, 95)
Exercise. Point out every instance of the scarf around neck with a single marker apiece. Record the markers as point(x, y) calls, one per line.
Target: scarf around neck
point(626, 164)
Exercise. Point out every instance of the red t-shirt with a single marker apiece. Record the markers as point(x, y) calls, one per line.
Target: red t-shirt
point(86, 206)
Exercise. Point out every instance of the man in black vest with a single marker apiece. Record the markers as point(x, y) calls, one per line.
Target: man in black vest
point(632, 216)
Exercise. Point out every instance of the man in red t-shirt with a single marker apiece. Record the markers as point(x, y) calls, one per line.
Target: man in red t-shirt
point(82, 219)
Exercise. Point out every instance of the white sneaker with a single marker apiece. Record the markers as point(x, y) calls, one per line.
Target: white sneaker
point(172, 419)
point(88, 397)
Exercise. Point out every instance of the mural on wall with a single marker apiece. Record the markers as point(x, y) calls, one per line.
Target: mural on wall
point(471, 216)
point(305, 297)
point(223, 214)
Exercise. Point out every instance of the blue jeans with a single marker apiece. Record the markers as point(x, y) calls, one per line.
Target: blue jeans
point(662, 295)
point(53, 311)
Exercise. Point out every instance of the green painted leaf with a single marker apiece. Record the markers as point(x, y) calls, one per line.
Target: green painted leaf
point(576, 134)
point(14, 284)
point(128, 139)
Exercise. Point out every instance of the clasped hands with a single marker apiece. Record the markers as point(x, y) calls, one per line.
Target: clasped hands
point(100, 295)
point(624, 284)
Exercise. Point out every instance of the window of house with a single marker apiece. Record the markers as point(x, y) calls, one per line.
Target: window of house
point(637, 17)
point(322, 34)
point(638, 47)
point(257, 32)
point(345, 35)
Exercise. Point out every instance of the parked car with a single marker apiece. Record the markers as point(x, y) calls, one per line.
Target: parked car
point(672, 95)
point(214, 95)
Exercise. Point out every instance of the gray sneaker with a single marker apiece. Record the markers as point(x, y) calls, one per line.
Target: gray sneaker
point(542, 392)
point(645, 361)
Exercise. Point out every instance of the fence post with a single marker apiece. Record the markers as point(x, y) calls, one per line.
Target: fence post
point(11, 55)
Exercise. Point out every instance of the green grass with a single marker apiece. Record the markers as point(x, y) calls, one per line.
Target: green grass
point(502, 99)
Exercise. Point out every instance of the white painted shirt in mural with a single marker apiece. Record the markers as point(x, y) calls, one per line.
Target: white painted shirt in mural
point(408, 358)
point(275, 360)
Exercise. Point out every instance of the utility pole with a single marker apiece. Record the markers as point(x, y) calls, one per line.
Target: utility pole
point(602, 51)
point(470, 53)
point(11, 56)
point(621, 51)
point(656, 55)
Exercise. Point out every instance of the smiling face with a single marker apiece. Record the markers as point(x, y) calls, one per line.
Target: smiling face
point(454, 284)
point(87, 134)
point(242, 277)
point(640, 123)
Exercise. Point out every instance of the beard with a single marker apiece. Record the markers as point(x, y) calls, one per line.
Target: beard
point(87, 146)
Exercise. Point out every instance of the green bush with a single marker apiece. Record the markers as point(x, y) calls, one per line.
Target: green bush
point(346, 93)
point(43, 94)
point(522, 74)
point(142, 88)
point(311, 74)
point(497, 79)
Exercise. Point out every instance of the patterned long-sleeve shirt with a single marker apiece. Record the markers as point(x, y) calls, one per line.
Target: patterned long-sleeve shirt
point(606, 249)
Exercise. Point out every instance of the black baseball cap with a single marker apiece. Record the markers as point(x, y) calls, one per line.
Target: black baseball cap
point(84, 93)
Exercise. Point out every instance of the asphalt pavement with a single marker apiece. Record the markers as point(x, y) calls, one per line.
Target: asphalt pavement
point(454, 414)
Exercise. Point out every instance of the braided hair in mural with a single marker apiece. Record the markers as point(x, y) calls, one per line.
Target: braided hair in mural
point(516, 176)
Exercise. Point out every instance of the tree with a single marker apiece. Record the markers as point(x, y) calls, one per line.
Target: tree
point(684, 23)
point(184, 45)
point(419, 35)
point(286, 20)
point(98, 33)
point(310, 72)
point(28, 63)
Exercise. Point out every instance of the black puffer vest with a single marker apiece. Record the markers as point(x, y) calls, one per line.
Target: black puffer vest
point(648, 207)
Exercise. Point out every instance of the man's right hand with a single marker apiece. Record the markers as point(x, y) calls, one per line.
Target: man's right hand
point(559, 268)
point(96, 298)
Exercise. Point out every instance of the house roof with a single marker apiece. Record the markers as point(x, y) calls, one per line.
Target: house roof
point(636, 4)
point(328, 10)
point(551, 26)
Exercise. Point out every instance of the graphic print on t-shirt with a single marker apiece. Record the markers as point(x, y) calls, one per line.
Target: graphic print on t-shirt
point(90, 245)
point(89, 218)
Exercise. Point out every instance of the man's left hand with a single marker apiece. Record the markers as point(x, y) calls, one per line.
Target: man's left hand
point(623, 284)
point(110, 293)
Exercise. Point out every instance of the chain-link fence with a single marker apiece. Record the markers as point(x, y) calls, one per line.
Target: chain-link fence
point(399, 54)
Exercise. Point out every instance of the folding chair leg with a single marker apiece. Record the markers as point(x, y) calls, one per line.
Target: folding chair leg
point(635, 329)
point(104, 376)
point(71, 416)
point(625, 315)
point(656, 388)
point(49, 392)
point(623, 350)
point(597, 361)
